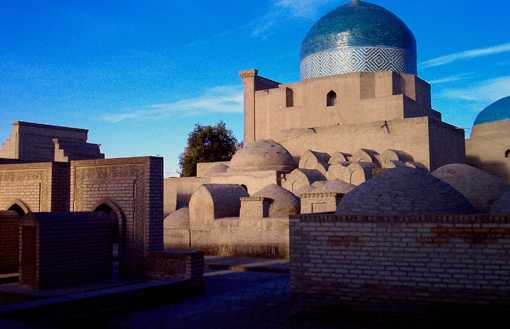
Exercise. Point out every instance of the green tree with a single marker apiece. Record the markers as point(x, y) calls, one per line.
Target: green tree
point(207, 144)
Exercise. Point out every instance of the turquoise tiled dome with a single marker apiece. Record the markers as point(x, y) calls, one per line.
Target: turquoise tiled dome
point(358, 37)
point(497, 111)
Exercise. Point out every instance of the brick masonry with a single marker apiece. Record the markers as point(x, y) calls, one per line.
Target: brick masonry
point(175, 264)
point(64, 249)
point(9, 228)
point(38, 187)
point(133, 188)
point(312, 203)
point(407, 260)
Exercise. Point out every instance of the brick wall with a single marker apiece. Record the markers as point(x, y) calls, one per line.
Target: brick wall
point(39, 186)
point(376, 261)
point(253, 237)
point(60, 187)
point(134, 187)
point(9, 228)
point(65, 249)
point(175, 264)
point(312, 203)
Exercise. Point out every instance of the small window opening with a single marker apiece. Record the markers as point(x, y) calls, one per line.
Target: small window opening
point(289, 97)
point(331, 99)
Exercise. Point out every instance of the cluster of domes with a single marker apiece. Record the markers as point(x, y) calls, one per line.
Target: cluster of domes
point(358, 37)
point(404, 191)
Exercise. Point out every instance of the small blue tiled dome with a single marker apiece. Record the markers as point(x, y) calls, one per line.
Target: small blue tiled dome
point(497, 111)
point(358, 37)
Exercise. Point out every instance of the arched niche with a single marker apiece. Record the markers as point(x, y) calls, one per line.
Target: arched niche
point(19, 207)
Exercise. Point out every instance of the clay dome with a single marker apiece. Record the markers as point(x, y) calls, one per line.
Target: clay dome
point(358, 37)
point(217, 169)
point(177, 219)
point(497, 111)
point(263, 155)
point(502, 205)
point(479, 187)
point(334, 186)
point(404, 191)
point(283, 202)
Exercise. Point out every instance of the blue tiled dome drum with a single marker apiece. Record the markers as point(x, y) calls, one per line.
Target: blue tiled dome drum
point(358, 37)
point(497, 111)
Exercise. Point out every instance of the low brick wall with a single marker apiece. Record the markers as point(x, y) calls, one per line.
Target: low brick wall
point(175, 264)
point(263, 237)
point(360, 261)
point(312, 203)
point(65, 249)
point(9, 246)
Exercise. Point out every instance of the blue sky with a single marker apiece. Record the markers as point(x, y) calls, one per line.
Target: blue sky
point(140, 74)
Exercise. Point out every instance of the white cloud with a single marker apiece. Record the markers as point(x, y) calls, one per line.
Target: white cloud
point(468, 54)
point(222, 99)
point(486, 91)
point(451, 78)
point(282, 10)
point(301, 8)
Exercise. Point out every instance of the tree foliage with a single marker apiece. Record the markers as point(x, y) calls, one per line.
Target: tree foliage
point(207, 144)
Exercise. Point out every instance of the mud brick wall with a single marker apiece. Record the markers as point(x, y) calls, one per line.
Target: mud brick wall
point(133, 187)
point(65, 249)
point(39, 187)
point(414, 260)
point(9, 246)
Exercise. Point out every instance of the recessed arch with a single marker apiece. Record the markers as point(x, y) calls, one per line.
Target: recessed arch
point(110, 208)
point(19, 207)
point(331, 99)
point(507, 154)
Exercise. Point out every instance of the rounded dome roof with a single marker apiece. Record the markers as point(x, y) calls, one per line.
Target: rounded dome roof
point(497, 111)
point(358, 37)
point(404, 191)
point(334, 186)
point(479, 187)
point(284, 203)
point(177, 219)
point(262, 155)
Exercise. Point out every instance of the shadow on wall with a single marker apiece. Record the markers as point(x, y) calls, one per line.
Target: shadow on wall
point(498, 168)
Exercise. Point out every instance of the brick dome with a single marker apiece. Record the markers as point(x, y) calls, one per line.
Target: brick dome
point(263, 155)
point(332, 186)
point(479, 187)
point(283, 202)
point(177, 219)
point(402, 191)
